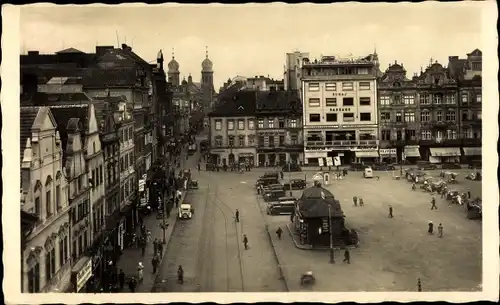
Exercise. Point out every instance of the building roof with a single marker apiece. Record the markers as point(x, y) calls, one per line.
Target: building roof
point(314, 203)
point(242, 103)
point(278, 101)
point(109, 77)
point(53, 99)
point(27, 118)
point(70, 51)
point(456, 67)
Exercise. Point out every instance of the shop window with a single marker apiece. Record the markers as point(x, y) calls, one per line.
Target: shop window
point(331, 117)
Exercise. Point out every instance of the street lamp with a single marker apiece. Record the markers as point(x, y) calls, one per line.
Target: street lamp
point(332, 257)
point(290, 178)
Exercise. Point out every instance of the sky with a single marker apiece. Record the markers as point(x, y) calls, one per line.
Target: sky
point(249, 40)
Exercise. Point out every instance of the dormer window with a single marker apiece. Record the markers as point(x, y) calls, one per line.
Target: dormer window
point(397, 84)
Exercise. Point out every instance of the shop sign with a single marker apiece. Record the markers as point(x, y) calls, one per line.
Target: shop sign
point(412, 146)
point(387, 151)
point(359, 126)
point(142, 184)
point(246, 155)
point(339, 94)
point(362, 149)
point(83, 275)
point(340, 109)
point(217, 151)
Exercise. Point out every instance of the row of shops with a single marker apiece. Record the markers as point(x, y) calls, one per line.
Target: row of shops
point(226, 157)
point(408, 154)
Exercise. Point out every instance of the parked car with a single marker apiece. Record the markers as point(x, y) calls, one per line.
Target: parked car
point(185, 211)
point(451, 166)
point(292, 167)
point(266, 181)
point(282, 207)
point(270, 175)
point(358, 166)
point(475, 164)
point(426, 165)
point(382, 166)
point(297, 184)
point(368, 173)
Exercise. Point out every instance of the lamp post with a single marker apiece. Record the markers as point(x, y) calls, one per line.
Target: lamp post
point(332, 257)
point(290, 178)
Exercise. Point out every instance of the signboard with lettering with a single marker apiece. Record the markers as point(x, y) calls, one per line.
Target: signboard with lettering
point(83, 275)
point(320, 161)
point(359, 126)
point(336, 160)
point(329, 161)
point(388, 151)
point(324, 225)
point(340, 109)
point(339, 94)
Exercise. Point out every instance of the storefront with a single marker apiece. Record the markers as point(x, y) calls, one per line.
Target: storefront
point(366, 156)
point(471, 153)
point(388, 155)
point(444, 154)
point(311, 157)
point(81, 273)
point(411, 153)
point(247, 158)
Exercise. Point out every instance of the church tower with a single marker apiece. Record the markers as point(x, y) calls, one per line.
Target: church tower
point(173, 71)
point(207, 82)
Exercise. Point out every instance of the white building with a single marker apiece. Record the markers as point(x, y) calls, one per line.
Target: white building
point(339, 99)
point(293, 70)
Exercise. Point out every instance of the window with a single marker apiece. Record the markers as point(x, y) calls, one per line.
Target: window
point(347, 86)
point(231, 141)
point(251, 140)
point(38, 207)
point(450, 99)
point(93, 177)
point(409, 99)
point(271, 141)
point(331, 101)
point(331, 87)
point(292, 123)
point(241, 124)
point(61, 253)
point(50, 264)
point(451, 134)
point(365, 116)
point(314, 102)
point(241, 141)
point(362, 70)
point(385, 100)
point(251, 124)
point(439, 116)
point(364, 86)
point(230, 124)
point(426, 135)
point(410, 134)
point(282, 140)
point(479, 98)
point(314, 117)
point(74, 250)
point(386, 135)
point(409, 116)
point(294, 139)
point(450, 116)
point(347, 101)
point(425, 116)
point(437, 99)
point(218, 124)
point(260, 123)
point(331, 117)
point(465, 98)
point(348, 117)
point(34, 279)
point(465, 115)
point(397, 99)
point(270, 123)
point(262, 140)
point(281, 123)
point(58, 197)
point(385, 116)
point(218, 141)
point(399, 117)
point(313, 86)
point(364, 101)
point(48, 203)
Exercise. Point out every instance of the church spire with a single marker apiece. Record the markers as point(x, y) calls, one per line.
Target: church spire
point(206, 51)
point(173, 53)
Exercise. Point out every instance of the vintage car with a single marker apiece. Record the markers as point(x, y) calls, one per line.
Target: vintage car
point(270, 175)
point(474, 208)
point(357, 167)
point(475, 176)
point(266, 181)
point(419, 176)
point(451, 194)
point(273, 195)
point(291, 167)
point(477, 164)
point(193, 184)
point(284, 206)
point(382, 166)
point(451, 166)
point(368, 173)
point(185, 211)
point(295, 184)
point(426, 165)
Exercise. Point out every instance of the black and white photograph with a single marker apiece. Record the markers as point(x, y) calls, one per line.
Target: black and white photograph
point(169, 152)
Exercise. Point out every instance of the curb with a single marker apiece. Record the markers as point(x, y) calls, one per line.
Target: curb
point(282, 274)
point(301, 247)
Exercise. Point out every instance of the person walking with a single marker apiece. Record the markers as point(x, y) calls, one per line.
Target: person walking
point(281, 175)
point(390, 212)
point(245, 241)
point(140, 272)
point(155, 246)
point(413, 186)
point(279, 232)
point(143, 245)
point(180, 275)
point(347, 256)
point(440, 230)
point(237, 215)
point(121, 279)
point(433, 203)
point(132, 284)
point(419, 285)
point(355, 201)
point(468, 194)
point(160, 249)
point(199, 166)
point(430, 228)
point(361, 202)
point(154, 262)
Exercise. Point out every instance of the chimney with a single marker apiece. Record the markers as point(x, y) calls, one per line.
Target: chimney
point(124, 46)
point(101, 50)
point(33, 53)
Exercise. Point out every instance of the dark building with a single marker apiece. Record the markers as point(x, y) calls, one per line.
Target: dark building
point(279, 128)
point(317, 215)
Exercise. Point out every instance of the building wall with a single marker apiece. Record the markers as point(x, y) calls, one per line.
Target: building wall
point(293, 69)
point(46, 174)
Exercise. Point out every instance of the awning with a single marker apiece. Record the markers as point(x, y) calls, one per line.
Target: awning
point(412, 152)
point(472, 151)
point(445, 152)
point(367, 154)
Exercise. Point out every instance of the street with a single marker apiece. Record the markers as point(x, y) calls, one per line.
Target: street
point(393, 253)
point(210, 245)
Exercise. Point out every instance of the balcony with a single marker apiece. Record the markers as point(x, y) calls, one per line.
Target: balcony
point(367, 143)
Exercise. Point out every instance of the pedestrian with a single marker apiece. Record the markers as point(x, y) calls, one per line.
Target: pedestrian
point(121, 279)
point(143, 246)
point(355, 200)
point(440, 230)
point(419, 285)
point(347, 256)
point(245, 241)
point(413, 186)
point(160, 249)
point(279, 232)
point(281, 174)
point(431, 228)
point(199, 166)
point(132, 284)
point(154, 262)
point(468, 194)
point(155, 246)
point(180, 275)
point(361, 202)
point(237, 215)
point(390, 212)
point(433, 202)
point(140, 271)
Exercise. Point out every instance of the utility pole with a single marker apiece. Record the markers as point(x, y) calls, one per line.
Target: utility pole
point(290, 178)
point(332, 256)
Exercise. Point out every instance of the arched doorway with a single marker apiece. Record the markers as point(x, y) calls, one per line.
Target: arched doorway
point(231, 158)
